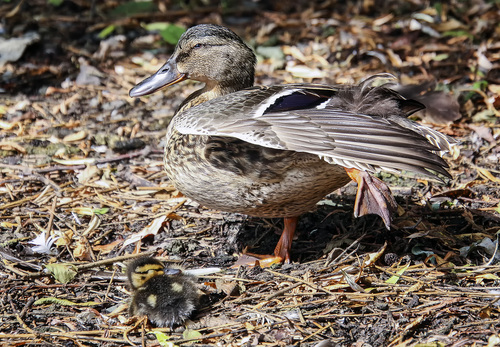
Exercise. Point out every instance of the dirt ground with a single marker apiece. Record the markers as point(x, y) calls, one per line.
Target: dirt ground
point(82, 161)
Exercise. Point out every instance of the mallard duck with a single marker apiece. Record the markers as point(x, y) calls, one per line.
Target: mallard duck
point(167, 296)
point(275, 151)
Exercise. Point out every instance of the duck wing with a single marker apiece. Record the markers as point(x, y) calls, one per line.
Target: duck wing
point(359, 127)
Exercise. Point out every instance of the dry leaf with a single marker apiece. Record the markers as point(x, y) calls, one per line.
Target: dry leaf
point(302, 71)
point(150, 230)
point(485, 173)
point(78, 136)
point(82, 251)
point(107, 248)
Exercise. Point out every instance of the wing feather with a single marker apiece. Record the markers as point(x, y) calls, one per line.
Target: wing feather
point(338, 132)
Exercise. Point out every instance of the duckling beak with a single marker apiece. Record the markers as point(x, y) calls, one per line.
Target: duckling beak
point(171, 272)
point(164, 77)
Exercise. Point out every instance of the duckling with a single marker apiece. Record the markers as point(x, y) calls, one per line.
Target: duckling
point(167, 296)
point(275, 151)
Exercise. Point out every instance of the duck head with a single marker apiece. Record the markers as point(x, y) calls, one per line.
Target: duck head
point(207, 53)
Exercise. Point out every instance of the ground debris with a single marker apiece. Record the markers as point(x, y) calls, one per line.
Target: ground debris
point(81, 173)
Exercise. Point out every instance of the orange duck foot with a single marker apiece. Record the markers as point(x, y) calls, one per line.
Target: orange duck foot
point(373, 196)
point(281, 252)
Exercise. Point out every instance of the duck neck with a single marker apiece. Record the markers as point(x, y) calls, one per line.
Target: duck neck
point(216, 89)
point(212, 90)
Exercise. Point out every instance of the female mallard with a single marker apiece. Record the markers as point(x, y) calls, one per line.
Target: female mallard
point(276, 151)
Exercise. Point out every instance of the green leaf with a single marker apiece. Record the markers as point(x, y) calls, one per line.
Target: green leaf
point(132, 7)
point(190, 334)
point(163, 339)
point(431, 344)
point(106, 31)
point(480, 85)
point(172, 33)
point(458, 33)
point(64, 302)
point(441, 57)
point(55, 2)
point(63, 273)
point(101, 211)
point(155, 26)
point(168, 31)
point(394, 279)
point(439, 7)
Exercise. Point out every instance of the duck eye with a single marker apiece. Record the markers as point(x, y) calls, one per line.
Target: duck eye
point(198, 45)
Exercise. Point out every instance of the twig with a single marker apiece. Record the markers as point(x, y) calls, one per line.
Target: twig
point(52, 212)
point(109, 285)
point(142, 321)
point(312, 285)
point(282, 291)
point(96, 264)
point(332, 262)
point(18, 317)
point(315, 333)
point(26, 307)
point(37, 172)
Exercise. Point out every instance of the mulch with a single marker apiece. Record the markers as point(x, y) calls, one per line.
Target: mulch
point(83, 162)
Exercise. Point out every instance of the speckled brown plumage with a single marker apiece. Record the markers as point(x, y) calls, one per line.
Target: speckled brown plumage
point(252, 180)
point(276, 151)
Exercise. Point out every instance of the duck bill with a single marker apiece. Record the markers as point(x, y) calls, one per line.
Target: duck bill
point(164, 77)
point(171, 272)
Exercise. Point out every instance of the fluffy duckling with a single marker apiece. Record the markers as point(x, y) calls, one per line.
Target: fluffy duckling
point(275, 151)
point(167, 296)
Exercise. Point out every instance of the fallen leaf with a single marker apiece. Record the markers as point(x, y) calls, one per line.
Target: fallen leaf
point(64, 302)
point(302, 71)
point(395, 278)
point(150, 230)
point(63, 273)
point(107, 248)
point(12, 49)
point(485, 173)
point(78, 136)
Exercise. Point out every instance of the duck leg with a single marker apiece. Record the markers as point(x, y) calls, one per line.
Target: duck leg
point(281, 252)
point(373, 196)
point(284, 245)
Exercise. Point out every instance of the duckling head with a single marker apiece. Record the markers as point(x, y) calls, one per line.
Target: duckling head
point(207, 53)
point(142, 269)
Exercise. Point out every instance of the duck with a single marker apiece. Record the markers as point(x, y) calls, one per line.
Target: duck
point(166, 296)
point(275, 151)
